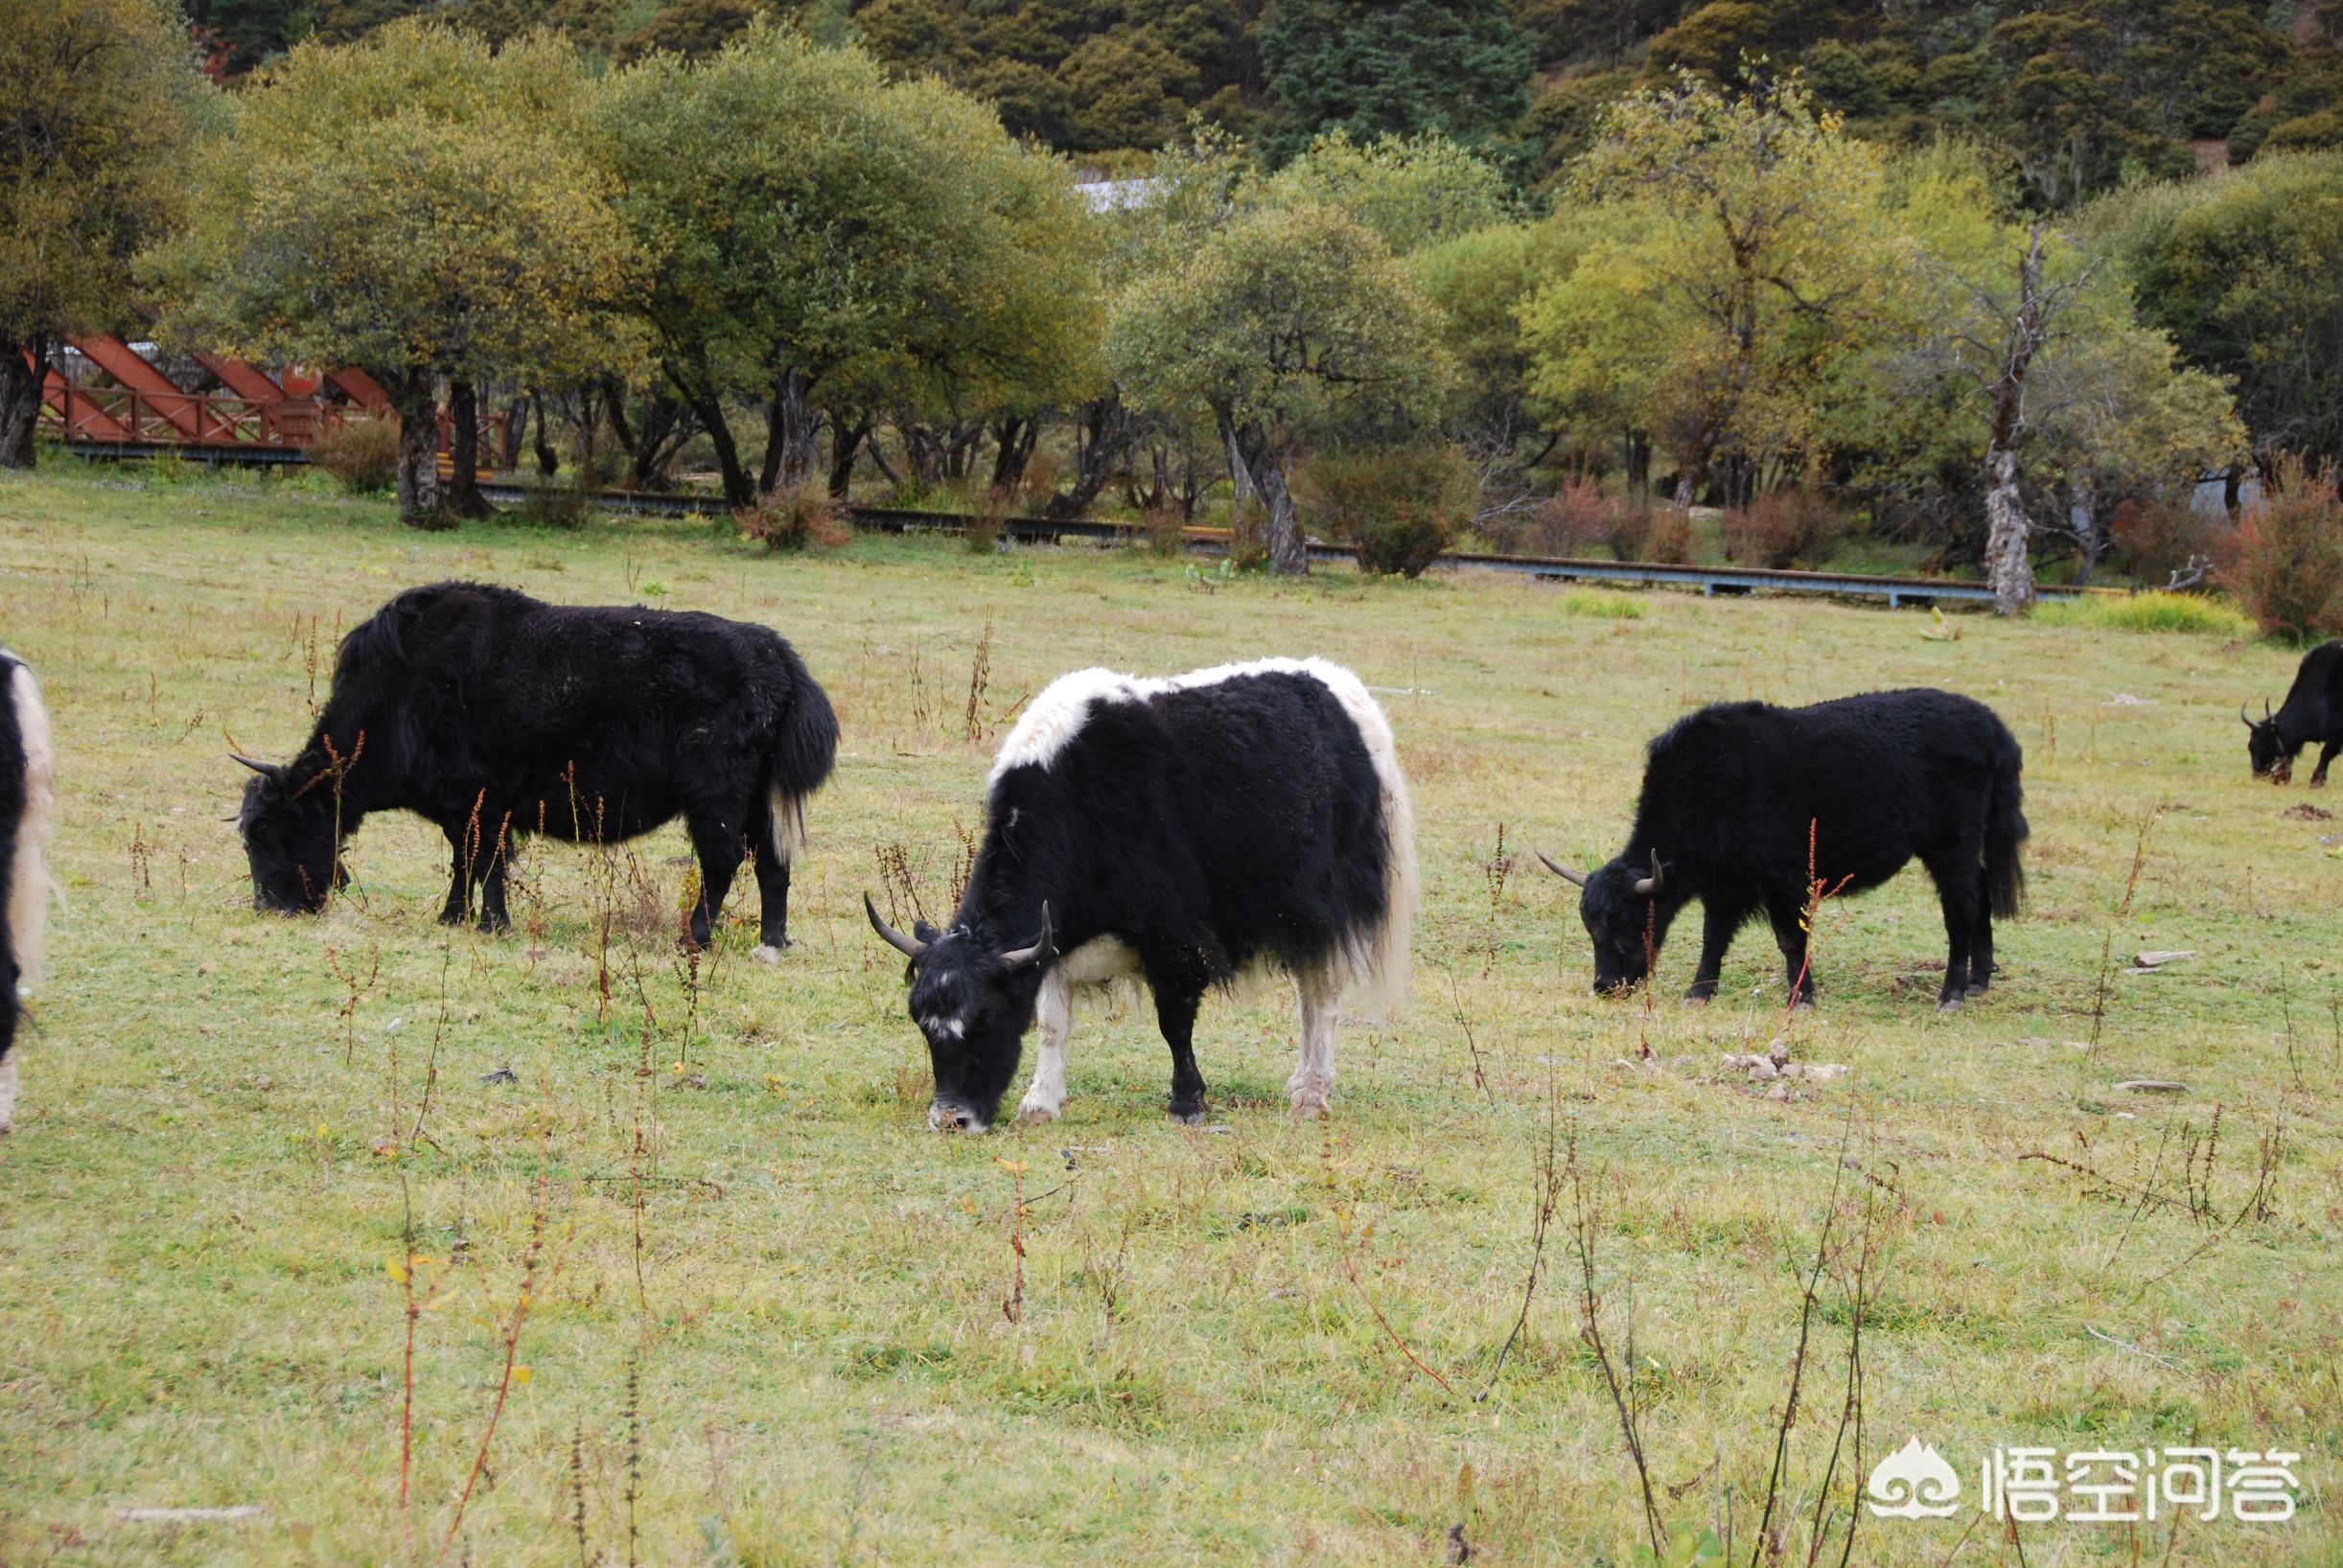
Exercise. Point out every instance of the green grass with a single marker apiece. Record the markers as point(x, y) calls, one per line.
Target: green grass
point(217, 1145)
point(2151, 611)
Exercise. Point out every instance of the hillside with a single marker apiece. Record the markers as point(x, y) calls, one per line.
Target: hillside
point(2078, 94)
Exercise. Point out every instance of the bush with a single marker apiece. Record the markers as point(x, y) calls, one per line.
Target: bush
point(2285, 559)
point(793, 517)
point(1401, 506)
point(561, 506)
point(1783, 528)
point(1660, 535)
point(1165, 529)
point(2149, 613)
point(1579, 517)
point(988, 521)
point(2150, 540)
point(1248, 535)
point(361, 455)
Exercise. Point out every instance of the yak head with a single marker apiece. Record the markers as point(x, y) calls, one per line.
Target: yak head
point(290, 839)
point(1623, 908)
point(973, 1000)
point(2272, 758)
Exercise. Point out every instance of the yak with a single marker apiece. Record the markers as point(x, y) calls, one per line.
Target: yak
point(495, 716)
point(1752, 808)
point(2313, 711)
point(1183, 831)
point(28, 809)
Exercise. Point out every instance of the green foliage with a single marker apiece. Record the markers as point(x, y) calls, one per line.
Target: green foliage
point(101, 100)
point(1374, 68)
point(360, 454)
point(2243, 272)
point(1402, 505)
point(413, 204)
point(2155, 612)
point(1412, 192)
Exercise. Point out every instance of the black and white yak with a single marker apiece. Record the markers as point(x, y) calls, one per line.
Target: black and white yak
point(1734, 795)
point(1183, 831)
point(2313, 711)
point(27, 810)
point(495, 716)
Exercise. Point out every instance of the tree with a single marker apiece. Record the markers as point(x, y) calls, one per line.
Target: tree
point(1412, 192)
point(412, 205)
point(1287, 324)
point(1377, 68)
point(805, 219)
point(1738, 254)
point(98, 95)
point(2246, 273)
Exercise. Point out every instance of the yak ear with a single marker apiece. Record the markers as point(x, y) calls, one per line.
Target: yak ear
point(926, 932)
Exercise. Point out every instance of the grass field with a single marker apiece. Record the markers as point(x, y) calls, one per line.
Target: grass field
point(769, 1319)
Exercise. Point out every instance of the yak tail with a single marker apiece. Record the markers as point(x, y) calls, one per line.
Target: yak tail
point(2004, 830)
point(803, 754)
point(28, 886)
point(1376, 963)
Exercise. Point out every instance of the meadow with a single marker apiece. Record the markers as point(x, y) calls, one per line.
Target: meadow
point(425, 1245)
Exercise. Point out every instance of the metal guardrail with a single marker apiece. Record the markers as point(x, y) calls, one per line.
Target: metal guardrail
point(1210, 542)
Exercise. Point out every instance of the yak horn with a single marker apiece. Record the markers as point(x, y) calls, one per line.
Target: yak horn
point(2244, 718)
point(1041, 952)
point(911, 947)
point(1646, 887)
point(1576, 879)
point(267, 770)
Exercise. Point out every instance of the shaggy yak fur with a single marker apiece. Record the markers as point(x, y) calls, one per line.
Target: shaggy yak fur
point(28, 803)
point(2313, 711)
point(495, 716)
point(1732, 792)
point(1183, 831)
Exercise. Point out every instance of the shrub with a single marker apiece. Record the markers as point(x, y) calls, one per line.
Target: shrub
point(1783, 528)
point(2149, 613)
point(1164, 530)
point(2152, 539)
point(1400, 505)
point(361, 455)
point(1579, 517)
point(1248, 535)
point(793, 517)
point(2285, 559)
point(562, 506)
point(1661, 535)
point(1599, 604)
point(988, 521)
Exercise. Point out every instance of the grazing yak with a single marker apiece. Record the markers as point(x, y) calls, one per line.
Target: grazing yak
point(1731, 793)
point(495, 716)
point(1184, 831)
point(28, 806)
point(2313, 711)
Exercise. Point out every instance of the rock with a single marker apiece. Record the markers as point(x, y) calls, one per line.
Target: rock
point(2151, 1086)
point(1778, 1051)
point(2157, 958)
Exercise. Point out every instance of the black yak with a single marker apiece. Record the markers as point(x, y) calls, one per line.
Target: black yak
point(2313, 711)
point(28, 809)
point(1182, 830)
point(1731, 794)
point(495, 716)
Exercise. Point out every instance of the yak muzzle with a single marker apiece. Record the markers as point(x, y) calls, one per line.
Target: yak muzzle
point(944, 1117)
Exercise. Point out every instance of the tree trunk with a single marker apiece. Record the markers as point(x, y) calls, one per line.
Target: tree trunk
point(791, 427)
point(414, 400)
point(22, 365)
point(1013, 441)
point(1101, 436)
point(1261, 460)
point(846, 446)
point(699, 395)
point(2008, 567)
point(549, 461)
point(463, 499)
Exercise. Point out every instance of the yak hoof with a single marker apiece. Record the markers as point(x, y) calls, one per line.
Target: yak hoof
point(1310, 1110)
point(766, 953)
point(1189, 1118)
point(1697, 998)
point(1034, 1112)
point(1950, 1004)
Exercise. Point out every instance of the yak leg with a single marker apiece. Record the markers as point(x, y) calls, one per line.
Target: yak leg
point(772, 887)
point(719, 847)
point(1980, 944)
point(1790, 934)
point(1313, 1074)
point(2327, 754)
point(1176, 1008)
point(1960, 888)
point(1054, 1010)
point(459, 880)
point(1718, 924)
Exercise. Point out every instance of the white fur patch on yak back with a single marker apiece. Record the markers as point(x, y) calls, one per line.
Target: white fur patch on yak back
point(1376, 971)
point(28, 893)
